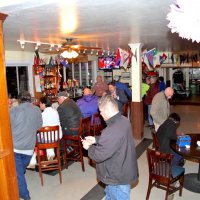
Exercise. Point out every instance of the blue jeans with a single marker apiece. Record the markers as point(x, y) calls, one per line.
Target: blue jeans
point(21, 162)
point(177, 158)
point(117, 192)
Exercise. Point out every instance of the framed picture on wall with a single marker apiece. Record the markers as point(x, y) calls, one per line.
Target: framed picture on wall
point(126, 75)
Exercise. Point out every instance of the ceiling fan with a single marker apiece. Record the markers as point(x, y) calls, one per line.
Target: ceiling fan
point(68, 45)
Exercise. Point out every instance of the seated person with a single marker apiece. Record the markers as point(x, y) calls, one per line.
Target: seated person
point(88, 104)
point(69, 114)
point(180, 91)
point(118, 94)
point(50, 117)
point(166, 132)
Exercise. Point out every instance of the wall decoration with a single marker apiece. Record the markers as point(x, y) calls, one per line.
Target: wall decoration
point(126, 75)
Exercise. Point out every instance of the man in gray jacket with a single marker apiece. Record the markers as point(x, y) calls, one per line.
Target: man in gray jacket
point(114, 151)
point(160, 108)
point(25, 119)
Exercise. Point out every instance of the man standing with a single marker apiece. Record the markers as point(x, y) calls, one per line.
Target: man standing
point(26, 119)
point(114, 151)
point(160, 108)
point(122, 86)
point(117, 94)
point(100, 87)
point(69, 114)
point(153, 90)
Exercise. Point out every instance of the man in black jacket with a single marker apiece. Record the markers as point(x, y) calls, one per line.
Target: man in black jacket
point(69, 114)
point(114, 151)
point(166, 132)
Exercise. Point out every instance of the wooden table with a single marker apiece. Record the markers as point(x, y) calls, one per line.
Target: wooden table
point(191, 180)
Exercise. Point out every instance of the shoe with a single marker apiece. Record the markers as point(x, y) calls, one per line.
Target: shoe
point(26, 198)
point(31, 166)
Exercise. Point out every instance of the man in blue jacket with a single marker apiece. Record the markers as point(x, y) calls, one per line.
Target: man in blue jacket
point(114, 151)
point(88, 104)
point(122, 86)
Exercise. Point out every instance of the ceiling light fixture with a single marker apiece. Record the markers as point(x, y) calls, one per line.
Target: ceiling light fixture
point(69, 54)
point(184, 19)
point(37, 44)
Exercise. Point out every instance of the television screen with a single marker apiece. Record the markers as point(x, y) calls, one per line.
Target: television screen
point(107, 63)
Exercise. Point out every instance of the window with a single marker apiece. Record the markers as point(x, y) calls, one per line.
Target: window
point(17, 79)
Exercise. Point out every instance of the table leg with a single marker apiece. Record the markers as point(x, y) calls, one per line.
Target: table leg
point(199, 173)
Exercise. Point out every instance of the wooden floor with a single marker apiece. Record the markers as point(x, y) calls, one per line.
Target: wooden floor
point(194, 99)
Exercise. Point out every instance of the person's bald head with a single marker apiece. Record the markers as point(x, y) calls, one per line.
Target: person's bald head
point(169, 92)
point(87, 91)
point(99, 78)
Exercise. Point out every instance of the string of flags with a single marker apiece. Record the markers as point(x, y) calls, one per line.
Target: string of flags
point(123, 58)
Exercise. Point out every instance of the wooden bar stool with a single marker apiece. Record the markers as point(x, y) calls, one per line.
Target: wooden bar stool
point(74, 143)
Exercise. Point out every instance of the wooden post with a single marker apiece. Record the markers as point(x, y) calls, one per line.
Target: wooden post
point(136, 104)
point(8, 180)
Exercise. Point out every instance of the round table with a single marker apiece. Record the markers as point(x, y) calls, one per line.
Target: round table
point(191, 180)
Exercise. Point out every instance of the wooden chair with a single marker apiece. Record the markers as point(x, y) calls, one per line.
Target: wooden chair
point(98, 124)
point(48, 137)
point(75, 143)
point(162, 174)
point(155, 140)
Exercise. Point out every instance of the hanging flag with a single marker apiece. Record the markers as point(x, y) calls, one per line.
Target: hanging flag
point(149, 54)
point(147, 63)
point(51, 62)
point(122, 58)
point(118, 58)
point(37, 53)
point(35, 62)
point(162, 58)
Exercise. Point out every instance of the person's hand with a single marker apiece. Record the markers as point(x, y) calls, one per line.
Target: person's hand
point(86, 144)
point(90, 139)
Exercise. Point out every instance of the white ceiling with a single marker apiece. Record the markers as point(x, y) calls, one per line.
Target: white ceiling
point(108, 24)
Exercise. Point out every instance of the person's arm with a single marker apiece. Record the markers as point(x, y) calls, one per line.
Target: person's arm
point(121, 96)
point(105, 147)
point(156, 109)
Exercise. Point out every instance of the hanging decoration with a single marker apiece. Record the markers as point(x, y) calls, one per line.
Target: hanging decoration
point(123, 58)
point(184, 19)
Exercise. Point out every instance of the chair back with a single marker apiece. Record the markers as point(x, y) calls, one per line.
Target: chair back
point(85, 126)
point(162, 174)
point(156, 145)
point(98, 124)
point(48, 137)
point(160, 165)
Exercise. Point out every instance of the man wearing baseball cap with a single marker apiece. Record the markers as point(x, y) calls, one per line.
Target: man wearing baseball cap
point(69, 114)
